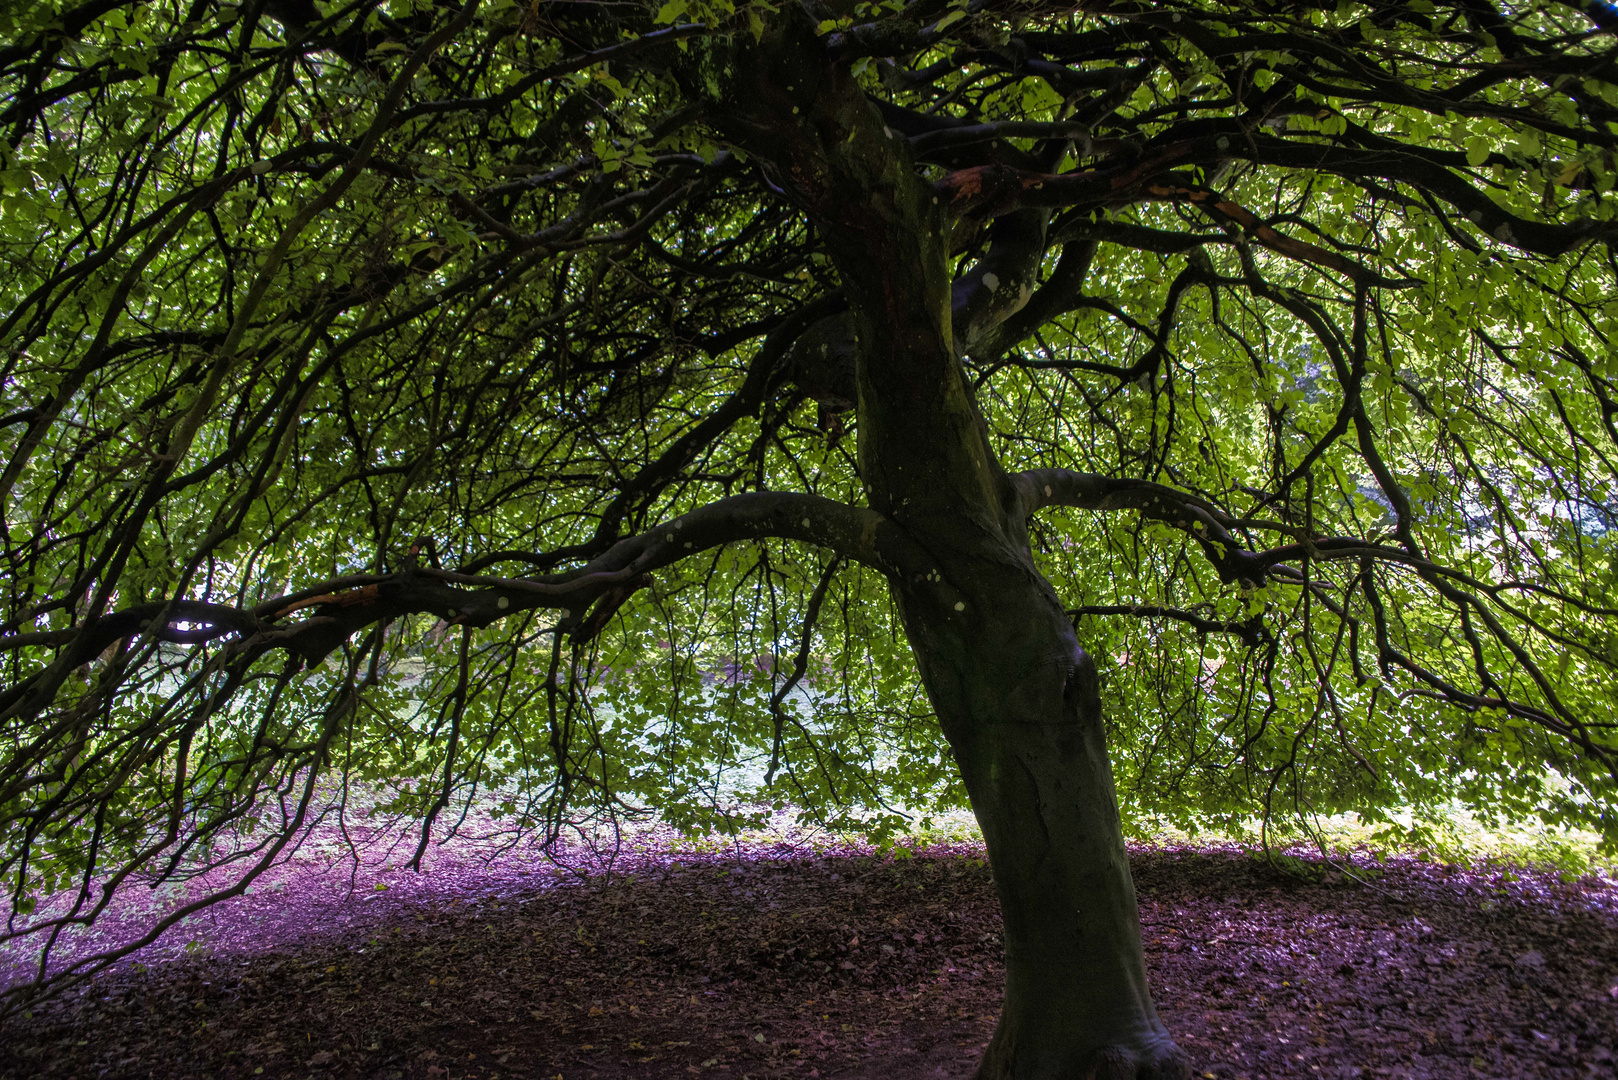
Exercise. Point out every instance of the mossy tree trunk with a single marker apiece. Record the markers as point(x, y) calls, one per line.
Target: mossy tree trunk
point(1016, 695)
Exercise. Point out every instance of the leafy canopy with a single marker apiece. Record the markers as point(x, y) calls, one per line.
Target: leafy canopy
point(357, 358)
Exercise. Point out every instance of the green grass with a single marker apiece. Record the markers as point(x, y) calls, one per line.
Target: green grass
point(1454, 835)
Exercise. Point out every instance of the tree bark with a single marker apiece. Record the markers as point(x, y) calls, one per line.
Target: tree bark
point(1020, 704)
point(1016, 695)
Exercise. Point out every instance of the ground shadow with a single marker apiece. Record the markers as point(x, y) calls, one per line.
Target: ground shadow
point(853, 965)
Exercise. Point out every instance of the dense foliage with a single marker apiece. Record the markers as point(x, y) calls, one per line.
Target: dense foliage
point(357, 358)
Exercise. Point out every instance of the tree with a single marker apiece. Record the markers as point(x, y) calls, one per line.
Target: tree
point(424, 401)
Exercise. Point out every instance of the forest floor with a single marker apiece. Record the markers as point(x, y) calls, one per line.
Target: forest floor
point(781, 961)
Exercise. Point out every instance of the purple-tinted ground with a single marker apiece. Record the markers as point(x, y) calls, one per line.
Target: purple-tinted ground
point(780, 961)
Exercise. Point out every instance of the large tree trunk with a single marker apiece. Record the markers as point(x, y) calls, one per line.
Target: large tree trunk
point(1020, 704)
point(1016, 695)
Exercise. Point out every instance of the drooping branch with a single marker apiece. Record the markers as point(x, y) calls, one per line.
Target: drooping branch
point(334, 611)
point(1210, 528)
point(1250, 631)
point(999, 190)
point(764, 374)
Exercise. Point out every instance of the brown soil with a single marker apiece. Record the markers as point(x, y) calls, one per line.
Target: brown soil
point(852, 965)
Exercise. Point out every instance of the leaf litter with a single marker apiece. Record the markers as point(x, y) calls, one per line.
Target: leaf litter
point(769, 960)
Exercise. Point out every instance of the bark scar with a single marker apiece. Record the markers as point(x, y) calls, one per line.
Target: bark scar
point(342, 599)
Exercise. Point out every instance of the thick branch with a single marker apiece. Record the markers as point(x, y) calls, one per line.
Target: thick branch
point(338, 609)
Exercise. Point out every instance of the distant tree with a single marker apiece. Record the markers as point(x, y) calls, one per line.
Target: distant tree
point(563, 409)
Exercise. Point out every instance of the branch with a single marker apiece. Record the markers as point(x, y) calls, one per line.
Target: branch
point(991, 190)
point(1251, 631)
point(1206, 523)
point(996, 190)
point(1040, 488)
point(800, 663)
point(1058, 295)
point(342, 607)
point(1000, 283)
point(967, 134)
point(1222, 209)
point(762, 375)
